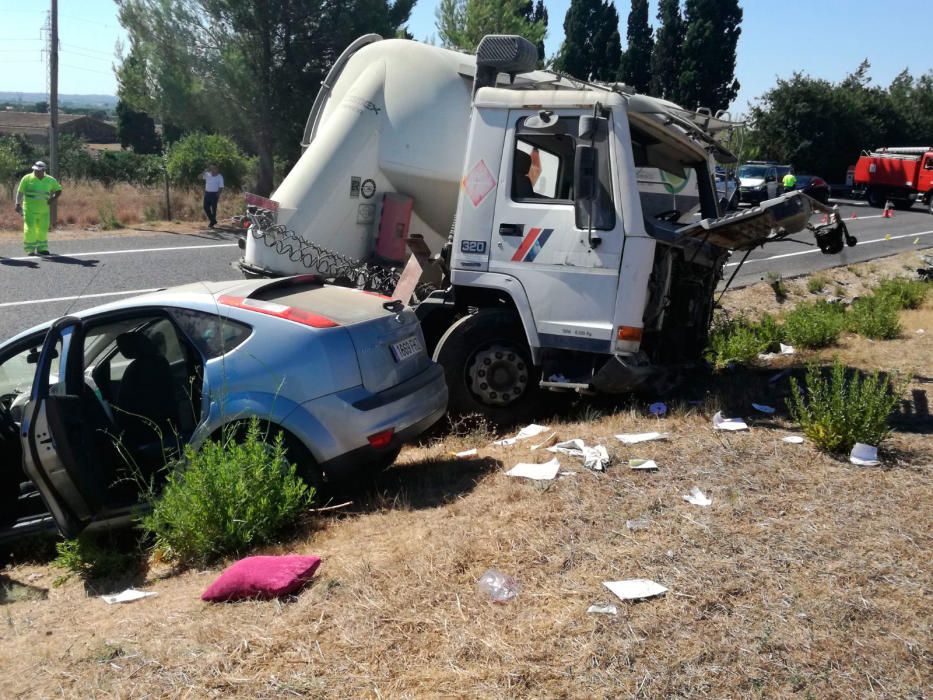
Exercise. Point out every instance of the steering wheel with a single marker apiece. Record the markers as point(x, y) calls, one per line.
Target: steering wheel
point(671, 215)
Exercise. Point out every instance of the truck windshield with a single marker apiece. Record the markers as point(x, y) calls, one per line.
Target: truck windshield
point(753, 171)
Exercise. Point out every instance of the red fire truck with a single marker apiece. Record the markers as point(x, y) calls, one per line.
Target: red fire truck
point(900, 175)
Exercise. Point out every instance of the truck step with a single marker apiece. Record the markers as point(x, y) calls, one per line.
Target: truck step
point(567, 385)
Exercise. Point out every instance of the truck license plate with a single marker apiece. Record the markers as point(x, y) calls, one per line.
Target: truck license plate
point(406, 348)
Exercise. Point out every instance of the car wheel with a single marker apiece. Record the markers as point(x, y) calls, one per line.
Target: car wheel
point(488, 367)
point(876, 199)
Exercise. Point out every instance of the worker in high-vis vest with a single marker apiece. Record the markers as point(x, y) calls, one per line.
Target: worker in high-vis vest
point(789, 182)
point(33, 195)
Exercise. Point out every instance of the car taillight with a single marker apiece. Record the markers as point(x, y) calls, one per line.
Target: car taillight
point(269, 308)
point(381, 439)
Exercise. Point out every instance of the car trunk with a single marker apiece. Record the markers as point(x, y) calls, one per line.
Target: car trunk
point(389, 344)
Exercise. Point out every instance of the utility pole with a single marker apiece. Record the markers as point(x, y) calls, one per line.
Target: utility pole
point(53, 106)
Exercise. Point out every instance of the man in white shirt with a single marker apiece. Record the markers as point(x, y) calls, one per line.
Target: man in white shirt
point(213, 184)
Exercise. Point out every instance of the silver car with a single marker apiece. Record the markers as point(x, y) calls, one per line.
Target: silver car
point(342, 373)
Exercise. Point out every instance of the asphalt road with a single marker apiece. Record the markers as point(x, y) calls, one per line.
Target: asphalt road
point(95, 269)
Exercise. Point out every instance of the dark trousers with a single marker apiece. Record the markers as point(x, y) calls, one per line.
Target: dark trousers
point(210, 206)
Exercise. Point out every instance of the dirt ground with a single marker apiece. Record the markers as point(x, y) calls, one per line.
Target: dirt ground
point(807, 576)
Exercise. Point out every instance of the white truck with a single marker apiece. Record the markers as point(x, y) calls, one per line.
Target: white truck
point(576, 235)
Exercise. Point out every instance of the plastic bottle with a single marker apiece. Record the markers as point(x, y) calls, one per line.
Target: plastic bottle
point(498, 586)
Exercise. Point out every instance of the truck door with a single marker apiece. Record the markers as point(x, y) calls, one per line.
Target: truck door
point(925, 176)
point(771, 183)
point(569, 273)
point(60, 431)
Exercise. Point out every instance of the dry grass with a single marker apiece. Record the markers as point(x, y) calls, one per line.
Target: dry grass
point(82, 203)
point(807, 577)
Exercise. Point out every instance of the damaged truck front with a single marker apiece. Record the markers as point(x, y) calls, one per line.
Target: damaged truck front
point(570, 231)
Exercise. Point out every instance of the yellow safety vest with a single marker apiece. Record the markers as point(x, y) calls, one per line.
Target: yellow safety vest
point(36, 191)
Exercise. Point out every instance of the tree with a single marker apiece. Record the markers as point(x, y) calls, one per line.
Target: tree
point(666, 54)
point(239, 67)
point(137, 130)
point(42, 107)
point(461, 24)
point(536, 13)
point(635, 68)
point(707, 73)
point(592, 46)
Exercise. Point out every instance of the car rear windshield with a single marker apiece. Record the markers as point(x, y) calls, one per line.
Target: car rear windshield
point(753, 171)
point(339, 304)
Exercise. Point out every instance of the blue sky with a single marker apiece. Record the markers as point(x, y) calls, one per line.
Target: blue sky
point(825, 39)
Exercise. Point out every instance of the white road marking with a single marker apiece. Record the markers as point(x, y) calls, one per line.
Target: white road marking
point(133, 250)
point(79, 296)
point(817, 250)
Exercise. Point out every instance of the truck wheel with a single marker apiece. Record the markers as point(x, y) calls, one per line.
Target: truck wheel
point(930, 204)
point(876, 199)
point(488, 366)
point(903, 204)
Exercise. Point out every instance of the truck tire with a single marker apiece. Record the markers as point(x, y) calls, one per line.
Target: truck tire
point(876, 198)
point(488, 367)
point(902, 204)
point(929, 204)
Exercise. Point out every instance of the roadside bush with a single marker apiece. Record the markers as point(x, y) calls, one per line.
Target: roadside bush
point(85, 558)
point(190, 156)
point(843, 408)
point(904, 293)
point(226, 497)
point(875, 317)
point(814, 324)
point(740, 340)
point(816, 284)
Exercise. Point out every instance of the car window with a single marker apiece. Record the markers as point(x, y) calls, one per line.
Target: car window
point(212, 335)
point(18, 370)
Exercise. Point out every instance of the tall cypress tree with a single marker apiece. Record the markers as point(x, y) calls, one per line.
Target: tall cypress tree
point(592, 45)
point(666, 56)
point(707, 75)
point(635, 69)
point(535, 13)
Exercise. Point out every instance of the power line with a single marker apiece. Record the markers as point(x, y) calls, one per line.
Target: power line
point(88, 70)
point(86, 48)
point(71, 52)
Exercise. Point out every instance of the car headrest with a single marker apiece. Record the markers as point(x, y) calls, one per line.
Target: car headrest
point(134, 344)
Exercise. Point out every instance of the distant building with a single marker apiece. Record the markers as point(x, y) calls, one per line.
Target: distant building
point(35, 127)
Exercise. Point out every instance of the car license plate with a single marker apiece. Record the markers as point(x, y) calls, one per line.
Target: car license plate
point(406, 348)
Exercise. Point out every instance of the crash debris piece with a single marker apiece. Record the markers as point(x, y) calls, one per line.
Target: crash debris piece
point(793, 439)
point(466, 453)
point(595, 458)
point(659, 408)
point(538, 472)
point(127, 596)
point(602, 610)
point(546, 442)
point(635, 588)
point(697, 498)
point(500, 587)
point(787, 349)
point(762, 408)
point(527, 432)
point(722, 423)
point(645, 465)
point(635, 438)
point(641, 523)
point(864, 455)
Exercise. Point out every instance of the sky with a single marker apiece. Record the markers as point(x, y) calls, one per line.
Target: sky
point(824, 39)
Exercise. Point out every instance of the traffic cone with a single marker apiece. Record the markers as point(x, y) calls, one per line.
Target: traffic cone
point(853, 216)
point(888, 212)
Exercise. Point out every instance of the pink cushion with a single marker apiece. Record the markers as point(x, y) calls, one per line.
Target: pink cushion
point(262, 577)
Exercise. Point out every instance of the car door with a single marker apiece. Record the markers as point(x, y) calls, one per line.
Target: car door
point(61, 450)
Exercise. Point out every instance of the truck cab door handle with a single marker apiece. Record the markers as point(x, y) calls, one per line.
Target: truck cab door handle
point(511, 230)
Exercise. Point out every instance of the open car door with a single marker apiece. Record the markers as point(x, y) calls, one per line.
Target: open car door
point(64, 427)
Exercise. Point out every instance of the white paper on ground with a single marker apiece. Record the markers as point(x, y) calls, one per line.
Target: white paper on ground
point(641, 523)
point(763, 408)
point(634, 438)
point(466, 453)
point(920, 331)
point(595, 458)
point(528, 431)
point(721, 423)
point(127, 596)
point(635, 589)
point(539, 472)
point(642, 464)
point(658, 408)
point(787, 349)
point(793, 439)
point(697, 497)
point(603, 610)
point(864, 455)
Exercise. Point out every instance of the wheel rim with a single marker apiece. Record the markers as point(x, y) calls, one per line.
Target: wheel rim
point(498, 375)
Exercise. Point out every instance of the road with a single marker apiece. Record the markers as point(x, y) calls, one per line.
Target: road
point(94, 269)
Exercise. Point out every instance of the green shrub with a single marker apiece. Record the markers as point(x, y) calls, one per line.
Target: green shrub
point(226, 497)
point(189, 157)
point(738, 340)
point(875, 317)
point(769, 332)
point(776, 282)
point(84, 558)
point(904, 293)
point(839, 410)
point(816, 284)
point(108, 217)
point(814, 324)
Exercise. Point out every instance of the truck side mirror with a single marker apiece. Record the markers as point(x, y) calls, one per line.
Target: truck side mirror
point(587, 128)
point(585, 171)
point(592, 204)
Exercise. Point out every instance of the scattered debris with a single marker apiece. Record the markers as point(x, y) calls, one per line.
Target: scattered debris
point(642, 464)
point(498, 586)
point(635, 589)
point(920, 331)
point(466, 453)
point(787, 349)
point(127, 596)
point(659, 408)
point(697, 498)
point(547, 442)
point(603, 610)
point(762, 408)
point(262, 578)
point(538, 472)
point(864, 455)
point(784, 350)
point(528, 431)
point(793, 439)
point(722, 423)
point(636, 524)
point(634, 438)
point(595, 458)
